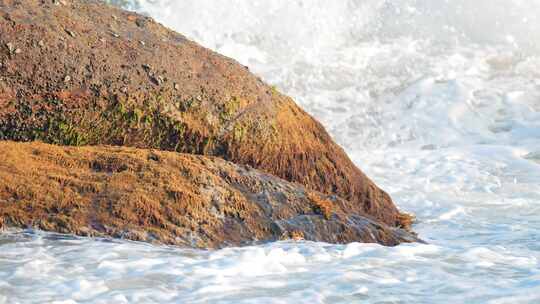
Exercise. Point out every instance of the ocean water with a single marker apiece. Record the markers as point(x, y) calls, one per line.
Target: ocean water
point(438, 101)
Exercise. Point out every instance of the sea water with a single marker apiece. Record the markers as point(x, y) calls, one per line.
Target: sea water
point(437, 100)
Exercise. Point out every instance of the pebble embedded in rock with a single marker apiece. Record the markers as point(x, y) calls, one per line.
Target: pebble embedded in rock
point(71, 33)
point(67, 78)
point(10, 47)
point(156, 79)
point(140, 22)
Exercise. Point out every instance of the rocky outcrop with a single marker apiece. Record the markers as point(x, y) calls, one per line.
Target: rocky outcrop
point(84, 73)
point(166, 197)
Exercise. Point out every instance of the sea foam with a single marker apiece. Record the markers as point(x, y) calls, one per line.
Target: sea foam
point(437, 101)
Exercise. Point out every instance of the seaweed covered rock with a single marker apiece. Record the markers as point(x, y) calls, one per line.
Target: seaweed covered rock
point(85, 73)
point(166, 197)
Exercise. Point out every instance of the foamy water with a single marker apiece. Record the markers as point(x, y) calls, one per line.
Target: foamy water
point(438, 101)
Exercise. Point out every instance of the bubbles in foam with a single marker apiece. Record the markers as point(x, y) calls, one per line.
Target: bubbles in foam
point(272, 273)
point(438, 101)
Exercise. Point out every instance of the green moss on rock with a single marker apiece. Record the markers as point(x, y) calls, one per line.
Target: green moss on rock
point(167, 93)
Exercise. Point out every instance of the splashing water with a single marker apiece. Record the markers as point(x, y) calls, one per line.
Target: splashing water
point(438, 101)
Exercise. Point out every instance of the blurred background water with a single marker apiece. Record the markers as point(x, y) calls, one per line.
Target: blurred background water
point(438, 101)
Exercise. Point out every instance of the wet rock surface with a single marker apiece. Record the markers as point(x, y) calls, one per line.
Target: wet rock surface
point(171, 198)
point(82, 73)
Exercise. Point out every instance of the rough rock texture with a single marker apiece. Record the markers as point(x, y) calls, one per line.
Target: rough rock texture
point(167, 197)
point(84, 73)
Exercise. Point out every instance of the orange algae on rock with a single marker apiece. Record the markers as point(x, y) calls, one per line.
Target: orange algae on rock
point(171, 198)
point(89, 74)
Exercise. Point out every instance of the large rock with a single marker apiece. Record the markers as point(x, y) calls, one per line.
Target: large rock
point(85, 73)
point(167, 197)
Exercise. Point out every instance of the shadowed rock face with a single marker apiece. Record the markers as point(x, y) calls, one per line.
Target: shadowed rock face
point(84, 73)
point(167, 197)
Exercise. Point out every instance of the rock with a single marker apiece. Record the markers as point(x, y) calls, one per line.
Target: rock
point(10, 47)
point(171, 198)
point(157, 80)
point(220, 108)
point(71, 33)
point(141, 22)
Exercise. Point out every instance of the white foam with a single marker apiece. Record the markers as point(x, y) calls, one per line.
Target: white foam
point(437, 101)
